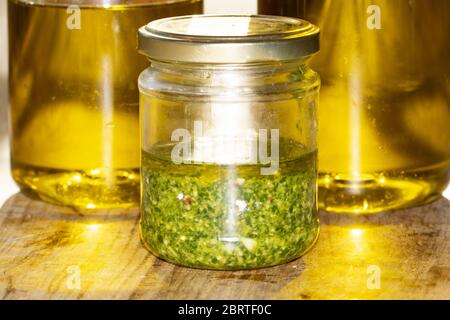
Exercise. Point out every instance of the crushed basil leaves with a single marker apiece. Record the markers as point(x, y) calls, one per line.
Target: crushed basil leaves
point(228, 217)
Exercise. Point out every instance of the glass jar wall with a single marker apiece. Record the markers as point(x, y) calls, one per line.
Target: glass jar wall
point(229, 141)
point(384, 115)
point(74, 97)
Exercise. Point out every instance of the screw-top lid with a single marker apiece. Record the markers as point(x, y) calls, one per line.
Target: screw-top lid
point(228, 39)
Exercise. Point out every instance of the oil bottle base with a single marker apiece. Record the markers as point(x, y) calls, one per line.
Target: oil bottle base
point(82, 190)
point(379, 192)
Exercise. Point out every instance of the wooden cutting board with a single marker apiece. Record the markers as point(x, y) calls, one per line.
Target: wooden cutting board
point(49, 252)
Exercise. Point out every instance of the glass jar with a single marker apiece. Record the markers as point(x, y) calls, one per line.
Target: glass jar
point(228, 117)
point(384, 116)
point(74, 100)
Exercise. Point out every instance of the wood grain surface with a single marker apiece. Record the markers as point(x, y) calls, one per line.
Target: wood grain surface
point(48, 252)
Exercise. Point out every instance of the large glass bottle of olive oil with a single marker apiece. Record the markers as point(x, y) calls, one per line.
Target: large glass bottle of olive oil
point(74, 98)
point(384, 115)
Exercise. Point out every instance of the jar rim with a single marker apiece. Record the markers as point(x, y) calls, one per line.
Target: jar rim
point(228, 39)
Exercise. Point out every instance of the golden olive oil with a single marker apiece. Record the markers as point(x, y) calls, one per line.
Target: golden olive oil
point(384, 114)
point(74, 99)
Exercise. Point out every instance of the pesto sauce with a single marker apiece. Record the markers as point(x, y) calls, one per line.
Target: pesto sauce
point(227, 216)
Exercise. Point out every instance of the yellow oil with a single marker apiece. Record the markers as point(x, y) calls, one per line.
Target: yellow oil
point(74, 99)
point(384, 114)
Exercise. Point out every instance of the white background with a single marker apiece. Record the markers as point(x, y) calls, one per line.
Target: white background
point(7, 186)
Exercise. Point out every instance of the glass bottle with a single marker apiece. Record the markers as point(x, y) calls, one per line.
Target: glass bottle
point(74, 97)
point(229, 140)
point(384, 115)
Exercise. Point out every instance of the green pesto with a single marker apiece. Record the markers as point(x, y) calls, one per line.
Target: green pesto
point(228, 217)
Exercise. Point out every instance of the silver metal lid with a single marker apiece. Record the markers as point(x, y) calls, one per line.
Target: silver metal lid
point(228, 39)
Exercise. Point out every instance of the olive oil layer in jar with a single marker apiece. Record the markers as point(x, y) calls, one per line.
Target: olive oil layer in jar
point(229, 140)
point(384, 115)
point(74, 97)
